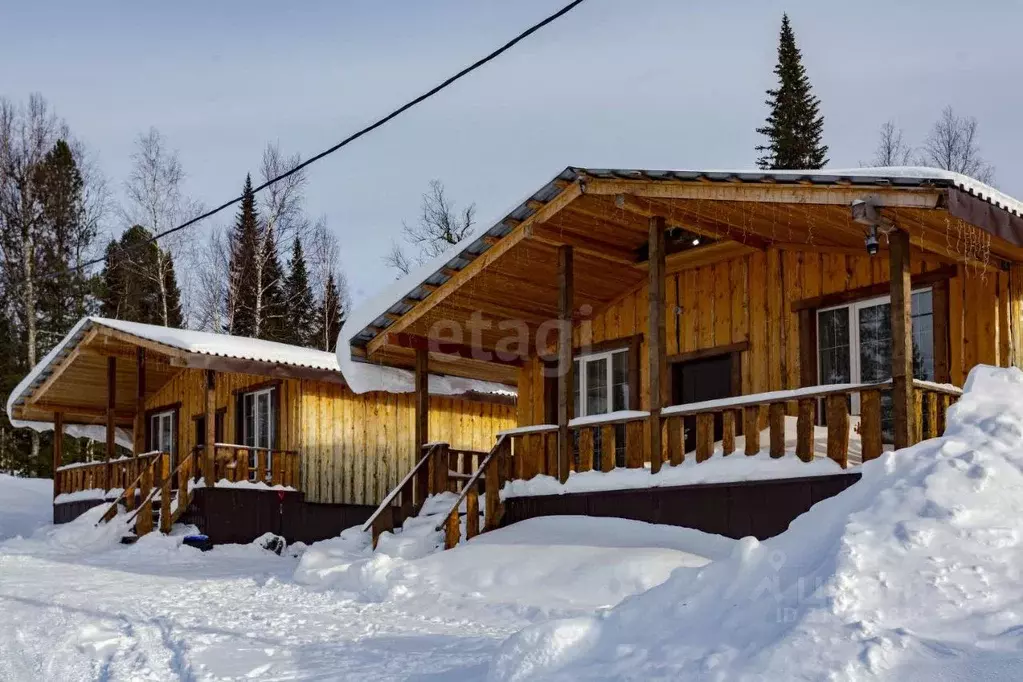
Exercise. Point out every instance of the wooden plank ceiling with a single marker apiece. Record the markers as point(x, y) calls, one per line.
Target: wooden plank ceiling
point(80, 390)
point(607, 226)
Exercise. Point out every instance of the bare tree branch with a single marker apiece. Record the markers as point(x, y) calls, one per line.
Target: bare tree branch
point(440, 226)
point(891, 149)
point(952, 145)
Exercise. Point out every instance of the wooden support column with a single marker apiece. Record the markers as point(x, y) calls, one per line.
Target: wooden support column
point(657, 357)
point(1015, 315)
point(565, 368)
point(111, 406)
point(422, 400)
point(139, 435)
point(209, 445)
point(58, 450)
point(902, 339)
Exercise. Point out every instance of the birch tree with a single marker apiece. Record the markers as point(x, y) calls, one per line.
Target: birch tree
point(441, 224)
point(952, 145)
point(155, 200)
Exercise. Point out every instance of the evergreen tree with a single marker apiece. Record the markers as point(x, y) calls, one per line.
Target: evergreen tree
point(273, 308)
point(244, 247)
point(794, 126)
point(330, 316)
point(300, 318)
point(128, 288)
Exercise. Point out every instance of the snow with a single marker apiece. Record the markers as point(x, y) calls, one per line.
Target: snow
point(718, 469)
point(95, 432)
point(247, 485)
point(25, 505)
point(88, 494)
point(914, 573)
point(768, 397)
point(79, 605)
point(621, 415)
point(367, 377)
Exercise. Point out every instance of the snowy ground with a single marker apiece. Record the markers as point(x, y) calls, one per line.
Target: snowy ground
point(25, 504)
point(79, 606)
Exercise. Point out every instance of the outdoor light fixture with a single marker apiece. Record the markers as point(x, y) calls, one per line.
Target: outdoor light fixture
point(868, 212)
point(696, 241)
point(871, 241)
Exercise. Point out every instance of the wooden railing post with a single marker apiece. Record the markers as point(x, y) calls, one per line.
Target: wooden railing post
point(144, 517)
point(656, 347)
point(452, 530)
point(676, 442)
point(472, 514)
point(240, 470)
point(608, 447)
point(776, 424)
point(165, 492)
point(209, 442)
point(260, 465)
point(704, 436)
point(440, 468)
point(727, 432)
point(804, 431)
point(870, 425)
point(493, 483)
point(585, 449)
point(566, 387)
point(751, 429)
point(904, 416)
point(58, 452)
point(838, 429)
point(634, 455)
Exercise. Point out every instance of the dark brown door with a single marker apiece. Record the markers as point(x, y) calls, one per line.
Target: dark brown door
point(696, 380)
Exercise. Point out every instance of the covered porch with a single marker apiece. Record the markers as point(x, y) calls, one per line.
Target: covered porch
point(608, 294)
point(111, 381)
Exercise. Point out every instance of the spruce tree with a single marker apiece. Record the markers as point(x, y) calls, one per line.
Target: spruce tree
point(300, 318)
point(273, 308)
point(330, 316)
point(794, 126)
point(129, 287)
point(244, 243)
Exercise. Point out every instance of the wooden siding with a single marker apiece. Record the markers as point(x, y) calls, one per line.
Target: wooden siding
point(355, 448)
point(187, 388)
point(749, 299)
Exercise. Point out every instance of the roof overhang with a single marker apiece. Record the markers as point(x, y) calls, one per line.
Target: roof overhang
point(507, 273)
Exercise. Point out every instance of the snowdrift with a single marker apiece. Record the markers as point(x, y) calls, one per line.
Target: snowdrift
point(27, 505)
point(545, 567)
point(914, 573)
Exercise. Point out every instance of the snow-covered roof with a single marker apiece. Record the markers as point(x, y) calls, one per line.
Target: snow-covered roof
point(376, 377)
point(368, 319)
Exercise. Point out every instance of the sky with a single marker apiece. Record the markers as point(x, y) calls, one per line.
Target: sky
point(651, 84)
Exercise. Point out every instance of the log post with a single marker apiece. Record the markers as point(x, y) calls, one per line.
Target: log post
point(566, 388)
point(1015, 316)
point(837, 409)
point(902, 339)
point(209, 447)
point(657, 359)
point(139, 436)
point(422, 382)
point(58, 452)
point(776, 424)
point(751, 429)
point(452, 530)
point(165, 492)
point(804, 430)
point(472, 514)
point(727, 432)
point(704, 436)
point(111, 412)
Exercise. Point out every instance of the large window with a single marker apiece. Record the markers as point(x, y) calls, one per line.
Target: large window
point(601, 387)
point(854, 345)
point(258, 425)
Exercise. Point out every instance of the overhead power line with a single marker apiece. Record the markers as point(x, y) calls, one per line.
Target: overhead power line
point(348, 140)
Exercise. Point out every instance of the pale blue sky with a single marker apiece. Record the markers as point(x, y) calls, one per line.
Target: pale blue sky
point(657, 83)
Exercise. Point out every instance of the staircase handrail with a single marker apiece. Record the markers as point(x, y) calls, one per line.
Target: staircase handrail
point(471, 483)
point(111, 512)
point(431, 447)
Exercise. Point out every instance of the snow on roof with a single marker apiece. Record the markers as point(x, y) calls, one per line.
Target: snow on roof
point(369, 317)
point(373, 377)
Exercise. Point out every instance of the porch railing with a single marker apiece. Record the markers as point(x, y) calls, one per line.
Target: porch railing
point(623, 439)
point(113, 475)
point(236, 463)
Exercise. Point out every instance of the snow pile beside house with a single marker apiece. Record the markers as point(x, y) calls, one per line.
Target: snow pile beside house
point(914, 573)
point(27, 504)
point(538, 568)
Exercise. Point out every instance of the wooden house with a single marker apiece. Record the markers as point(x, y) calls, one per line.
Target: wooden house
point(281, 417)
point(651, 316)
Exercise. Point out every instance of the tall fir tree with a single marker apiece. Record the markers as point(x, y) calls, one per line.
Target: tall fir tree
point(129, 290)
point(244, 246)
point(330, 316)
point(273, 308)
point(300, 317)
point(794, 126)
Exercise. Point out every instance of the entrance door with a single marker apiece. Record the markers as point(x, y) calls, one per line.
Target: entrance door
point(697, 380)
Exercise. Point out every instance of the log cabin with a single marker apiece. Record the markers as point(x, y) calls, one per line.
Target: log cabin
point(248, 418)
point(659, 320)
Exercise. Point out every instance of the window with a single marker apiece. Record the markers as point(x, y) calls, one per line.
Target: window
point(258, 425)
point(601, 387)
point(163, 432)
point(854, 345)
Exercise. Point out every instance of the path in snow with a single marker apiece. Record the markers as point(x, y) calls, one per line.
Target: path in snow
point(78, 606)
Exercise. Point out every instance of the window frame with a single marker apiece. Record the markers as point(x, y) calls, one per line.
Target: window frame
point(853, 308)
point(156, 430)
point(585, 359)
point(271, 429)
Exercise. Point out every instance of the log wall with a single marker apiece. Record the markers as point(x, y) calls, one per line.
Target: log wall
point(749, 300)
